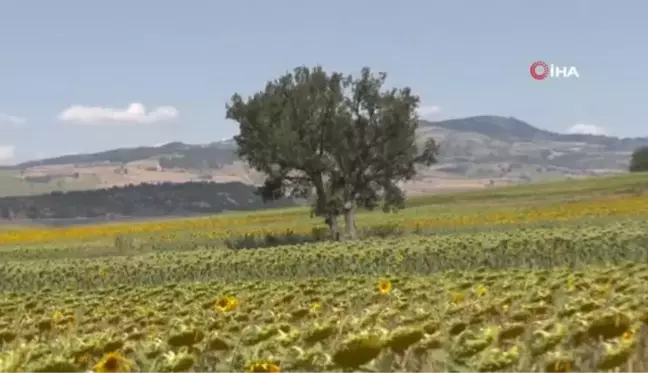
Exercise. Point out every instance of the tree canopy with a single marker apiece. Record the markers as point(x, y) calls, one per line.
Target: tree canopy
point(347, 138)
point(639, 160)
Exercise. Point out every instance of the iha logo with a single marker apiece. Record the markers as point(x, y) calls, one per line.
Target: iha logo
point(541, 70)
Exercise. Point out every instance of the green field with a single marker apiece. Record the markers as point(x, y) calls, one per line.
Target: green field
point(544, 277)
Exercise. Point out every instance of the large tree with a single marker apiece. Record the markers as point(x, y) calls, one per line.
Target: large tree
point(347, 138)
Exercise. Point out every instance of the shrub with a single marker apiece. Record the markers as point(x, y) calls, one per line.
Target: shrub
point(639, 160)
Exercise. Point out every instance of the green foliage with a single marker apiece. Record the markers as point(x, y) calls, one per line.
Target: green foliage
point(538, 248)
point(317, 234)
point(384, 230)
point(254, 241)
point(559, 320)
point(639, 160)
point(348, 138)
point(143, 200)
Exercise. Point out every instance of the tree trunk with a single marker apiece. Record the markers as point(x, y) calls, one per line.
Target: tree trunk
point(321, 208)
point(321, 201)
point(349, 221)
point(332, 221)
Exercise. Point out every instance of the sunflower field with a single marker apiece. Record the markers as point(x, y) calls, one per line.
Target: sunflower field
point(211, 229)
point(538, 284)
point(522, 320)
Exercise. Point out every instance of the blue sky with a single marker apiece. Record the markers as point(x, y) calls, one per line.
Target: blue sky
point(70, 69)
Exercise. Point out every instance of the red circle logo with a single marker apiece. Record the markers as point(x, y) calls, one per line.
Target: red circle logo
point(544, 70)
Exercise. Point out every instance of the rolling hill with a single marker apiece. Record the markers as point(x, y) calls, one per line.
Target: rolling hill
point(475, 152)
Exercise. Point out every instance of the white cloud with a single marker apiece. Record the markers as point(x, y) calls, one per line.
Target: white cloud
point(7, 153)
point(428, 111)
point(11, 120)
point(589, 129)
point(135, 113)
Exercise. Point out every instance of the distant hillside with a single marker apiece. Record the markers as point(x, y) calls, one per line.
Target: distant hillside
point(217, 154)
point(514, 129)
point(475, 152)
point(497, 147)
point(171, 155)
point(144, 200)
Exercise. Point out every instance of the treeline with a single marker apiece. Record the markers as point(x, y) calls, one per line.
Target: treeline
point(143, 200)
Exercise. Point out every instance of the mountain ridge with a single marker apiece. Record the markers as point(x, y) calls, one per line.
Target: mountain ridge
point(474, 152)
point(505, 125)
point(498, 126)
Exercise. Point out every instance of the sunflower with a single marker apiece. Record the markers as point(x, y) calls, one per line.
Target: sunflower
point(226, 304)
point(113, 362)
point(481, 290)
point(571, 283)
point(58, 315)
point(384, 286)
point(84, 359)
point(629, 335)
point(264, 366)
